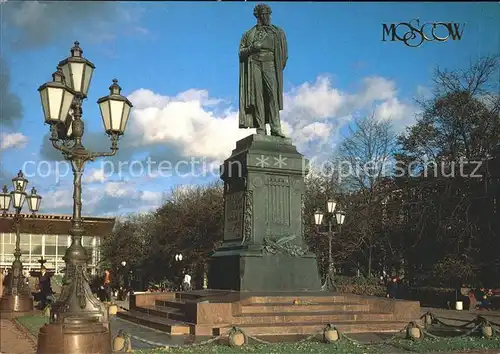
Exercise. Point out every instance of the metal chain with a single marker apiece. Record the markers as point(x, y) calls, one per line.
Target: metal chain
point(479, 321)
point(258, 340)
point(468, 333)
point(389, 340)
point(307, 339)
point(434, 319)
point(494, 324)
point(163, 345)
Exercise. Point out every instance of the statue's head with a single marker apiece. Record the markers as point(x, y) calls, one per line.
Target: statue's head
point(263, 14)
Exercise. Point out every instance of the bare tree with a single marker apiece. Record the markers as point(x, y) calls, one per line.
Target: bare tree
point(364, 160)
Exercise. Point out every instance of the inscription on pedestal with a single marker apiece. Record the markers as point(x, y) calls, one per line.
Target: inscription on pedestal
point(278, 201)
point(233, 222)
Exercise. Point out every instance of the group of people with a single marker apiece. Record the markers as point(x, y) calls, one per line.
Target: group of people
point(392, 284)
point(109, 289)
point(43, 289)
point(482, 297)
point(186, 285)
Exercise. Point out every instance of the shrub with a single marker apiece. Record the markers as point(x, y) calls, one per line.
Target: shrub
point(369, 286)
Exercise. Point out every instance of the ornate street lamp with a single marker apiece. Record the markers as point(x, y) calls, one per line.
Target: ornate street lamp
point(17, 295)
point(331, 216)
point(78, 320)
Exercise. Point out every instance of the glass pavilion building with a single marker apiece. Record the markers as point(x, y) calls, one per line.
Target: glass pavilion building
point(46, 237)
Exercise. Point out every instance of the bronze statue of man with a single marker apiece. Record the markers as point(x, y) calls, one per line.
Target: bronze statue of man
point(263, 55)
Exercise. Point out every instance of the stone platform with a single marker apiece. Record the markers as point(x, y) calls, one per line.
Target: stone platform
point(209, 312)
point(263, 246)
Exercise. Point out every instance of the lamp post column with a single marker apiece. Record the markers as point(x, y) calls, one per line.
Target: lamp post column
point(330, 255)
point(78, 321)
point(339, 216)
point(17, 295)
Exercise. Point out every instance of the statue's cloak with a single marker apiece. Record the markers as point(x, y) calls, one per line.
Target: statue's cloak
point(247, 87)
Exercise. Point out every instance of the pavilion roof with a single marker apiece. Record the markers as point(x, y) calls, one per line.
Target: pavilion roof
point(53, 224)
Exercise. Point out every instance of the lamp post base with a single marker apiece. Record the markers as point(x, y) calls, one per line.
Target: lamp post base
point(74, 338)
point(16, 303)
point(329, 284)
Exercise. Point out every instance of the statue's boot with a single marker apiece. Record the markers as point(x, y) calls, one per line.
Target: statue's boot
point(278, 133)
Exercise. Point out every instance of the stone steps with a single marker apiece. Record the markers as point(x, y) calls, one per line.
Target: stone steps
point(194, 295)
point(303, 299)
point(307, 317)
point(176, 304)
point(157, 322)
point(163, 311)
point(312, 307)
point(310, 328)
point(275, 314)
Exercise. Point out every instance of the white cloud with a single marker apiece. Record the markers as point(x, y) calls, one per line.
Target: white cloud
point(96, 175)
point(318, 100)
point(376, 89)
point(186, 122)
point(109, 198)
point(12, 140)
point(313, 114)
point(194, 125)
point(36, 23)
point(57, 199)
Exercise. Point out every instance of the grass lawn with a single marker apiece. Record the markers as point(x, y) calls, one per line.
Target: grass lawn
point(448, 344)
point(310, 347)
point(33, 324)
point(398, 346)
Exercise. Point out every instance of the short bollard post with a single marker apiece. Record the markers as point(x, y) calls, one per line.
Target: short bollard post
point(330, 334)
point(427, 320)
point(413, 331)
point(112, 309)
point(236, 338)
point(122, 343)
point(487, 330)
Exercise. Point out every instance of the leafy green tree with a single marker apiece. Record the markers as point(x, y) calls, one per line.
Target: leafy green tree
point(450, 215)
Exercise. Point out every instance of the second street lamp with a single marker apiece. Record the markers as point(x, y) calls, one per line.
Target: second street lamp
point(78, 320)
point(331, 216)
point(17, 295)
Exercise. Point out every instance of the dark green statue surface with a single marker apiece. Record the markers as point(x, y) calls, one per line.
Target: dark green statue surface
point(263, 56)
point(263, 247)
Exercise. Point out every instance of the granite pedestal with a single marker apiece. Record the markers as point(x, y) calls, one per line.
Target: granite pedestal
point(263, 246)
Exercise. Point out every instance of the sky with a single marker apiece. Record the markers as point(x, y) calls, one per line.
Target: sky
point(177, 62)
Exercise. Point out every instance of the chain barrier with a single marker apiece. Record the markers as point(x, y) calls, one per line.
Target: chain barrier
point(494, 324)
point(429, 334)
point(154, 344)
point(158, 345)
point(262, 341)
point(387, 341)
point(123, 308)
point(478, 323)
point(436, 320)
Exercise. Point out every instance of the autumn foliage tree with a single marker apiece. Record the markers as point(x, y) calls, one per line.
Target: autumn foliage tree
point(451, 214)
point(408, 205)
